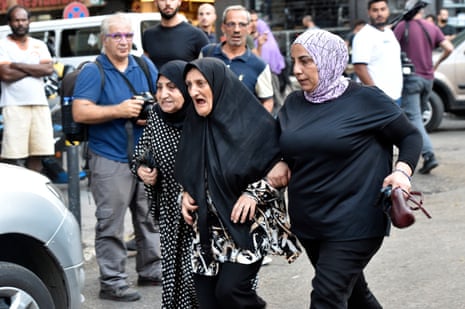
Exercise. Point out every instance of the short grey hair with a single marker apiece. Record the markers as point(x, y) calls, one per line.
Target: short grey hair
point(117, 18)
point(235, 8)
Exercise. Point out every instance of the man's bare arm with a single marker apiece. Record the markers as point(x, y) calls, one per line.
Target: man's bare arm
point(12, 72)
point(35, 70)
point(268, 104)
point(85, 111)
point(361, 69)
point(9, 74)
point(447, 48)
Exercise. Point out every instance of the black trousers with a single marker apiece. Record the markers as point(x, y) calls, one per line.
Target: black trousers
point(339, 282)
point(230, 289)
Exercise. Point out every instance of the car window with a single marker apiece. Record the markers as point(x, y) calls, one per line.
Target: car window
point(144, 25)
point(48, 37)
point(80, 42)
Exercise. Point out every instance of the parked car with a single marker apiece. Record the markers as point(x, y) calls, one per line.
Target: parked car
point(449, 86)
point(41, 260)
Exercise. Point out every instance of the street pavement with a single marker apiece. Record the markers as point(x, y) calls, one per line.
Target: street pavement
point(421, 267)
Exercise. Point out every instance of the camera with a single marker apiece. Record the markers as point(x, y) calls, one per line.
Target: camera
point(384, 199)
point(147, 158)
point(407, 65)
point(149, 101)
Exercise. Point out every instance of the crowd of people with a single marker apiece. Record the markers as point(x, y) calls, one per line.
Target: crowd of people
point(204, 171)
point(379, 52)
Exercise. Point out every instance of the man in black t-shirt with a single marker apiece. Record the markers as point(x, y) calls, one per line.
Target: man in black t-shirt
point(448, 30)
point(173, 38)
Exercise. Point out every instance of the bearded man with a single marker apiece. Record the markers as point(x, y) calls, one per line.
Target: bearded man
point(376, 52)
point(174, 38)
point(24, 61)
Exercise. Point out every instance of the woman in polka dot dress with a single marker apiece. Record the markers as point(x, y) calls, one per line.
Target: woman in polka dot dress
point(154, 163)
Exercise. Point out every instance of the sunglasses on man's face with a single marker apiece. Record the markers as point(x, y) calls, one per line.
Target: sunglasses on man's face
point(118, 36)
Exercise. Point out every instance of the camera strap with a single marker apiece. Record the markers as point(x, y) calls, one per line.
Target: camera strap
point(131, 87)
point(405, 37)
point(143, 65)
point(129, 126)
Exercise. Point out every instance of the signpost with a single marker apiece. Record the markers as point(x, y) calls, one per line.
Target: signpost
point(75, 10)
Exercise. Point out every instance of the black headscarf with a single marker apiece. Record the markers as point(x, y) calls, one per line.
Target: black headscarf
point(235, 145)
point(174, 71)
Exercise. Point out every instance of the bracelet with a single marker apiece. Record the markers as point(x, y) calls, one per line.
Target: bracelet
point(403, 172)
point(252, 196)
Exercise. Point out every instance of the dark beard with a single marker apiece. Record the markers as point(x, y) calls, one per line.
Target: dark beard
point(379, 25)
point(168, 16)
point(20, 31)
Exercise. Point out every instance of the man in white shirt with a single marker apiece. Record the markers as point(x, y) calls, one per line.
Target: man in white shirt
point(24, 61)
point(376, 52)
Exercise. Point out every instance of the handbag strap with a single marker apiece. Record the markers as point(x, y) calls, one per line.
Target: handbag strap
point(418, 202)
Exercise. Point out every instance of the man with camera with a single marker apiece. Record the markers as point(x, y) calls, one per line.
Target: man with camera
point(418, 38)
point(115, 115)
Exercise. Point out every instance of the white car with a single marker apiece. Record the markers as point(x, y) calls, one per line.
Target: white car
point(41, 260)
point(75, 40)
point(449, 86)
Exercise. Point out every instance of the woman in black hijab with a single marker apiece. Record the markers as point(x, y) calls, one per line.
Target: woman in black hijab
point(154, 163)
point(228, 145)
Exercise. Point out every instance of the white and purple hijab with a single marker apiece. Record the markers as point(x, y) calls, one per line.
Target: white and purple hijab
point(329, 52)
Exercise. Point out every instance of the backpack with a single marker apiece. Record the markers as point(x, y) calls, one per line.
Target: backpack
point(75, 131)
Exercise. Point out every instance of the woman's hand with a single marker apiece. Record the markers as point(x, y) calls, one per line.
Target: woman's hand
point(188, 207)
point(148, 175)
point(243, 209)
point(400, 177)
point(279, 175)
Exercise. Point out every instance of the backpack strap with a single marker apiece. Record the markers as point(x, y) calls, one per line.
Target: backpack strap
point(102, 74)
point(209, 49)
point(144, 66)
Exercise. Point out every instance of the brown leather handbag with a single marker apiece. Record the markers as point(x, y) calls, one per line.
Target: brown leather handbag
point(398, 205)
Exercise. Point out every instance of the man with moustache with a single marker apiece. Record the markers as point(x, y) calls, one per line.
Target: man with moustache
point(24, 61)
point(173, 38)
point(448, 30)
point(112, 114)
point(249, 68)
point(376, 52)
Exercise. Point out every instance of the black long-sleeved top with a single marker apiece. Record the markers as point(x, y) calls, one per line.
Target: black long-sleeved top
point(339, 152)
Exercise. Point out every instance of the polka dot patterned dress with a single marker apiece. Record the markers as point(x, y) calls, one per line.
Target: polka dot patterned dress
point(175, 235)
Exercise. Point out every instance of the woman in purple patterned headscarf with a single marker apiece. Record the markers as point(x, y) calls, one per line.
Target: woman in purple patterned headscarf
point(337, 138)
point(330, 56)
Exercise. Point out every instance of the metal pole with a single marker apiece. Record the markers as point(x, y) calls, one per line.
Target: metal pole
point(74, 190)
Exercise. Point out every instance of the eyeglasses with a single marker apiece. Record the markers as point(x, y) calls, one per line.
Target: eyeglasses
point(233, 25)
point(118, 36)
